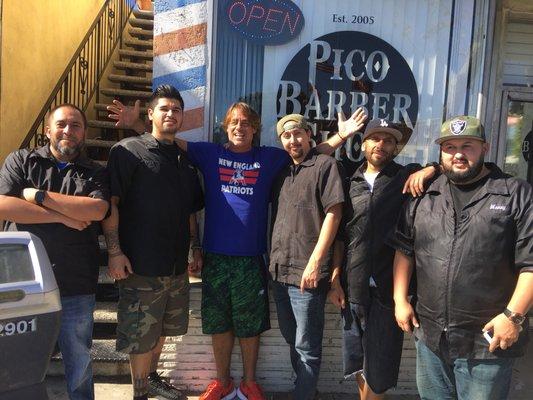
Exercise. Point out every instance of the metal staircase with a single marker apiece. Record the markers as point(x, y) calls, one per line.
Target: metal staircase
point(130, 78)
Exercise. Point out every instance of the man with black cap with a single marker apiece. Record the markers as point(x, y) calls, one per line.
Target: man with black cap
point(372, 340)
point(471, 238)
point(307, 209)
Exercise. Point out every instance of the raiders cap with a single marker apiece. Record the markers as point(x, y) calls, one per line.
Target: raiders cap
point(461, 127)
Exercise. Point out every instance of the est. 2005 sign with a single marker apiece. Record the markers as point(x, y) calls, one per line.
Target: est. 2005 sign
point(268, 22)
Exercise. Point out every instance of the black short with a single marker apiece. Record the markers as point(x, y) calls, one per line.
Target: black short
point(372, 343)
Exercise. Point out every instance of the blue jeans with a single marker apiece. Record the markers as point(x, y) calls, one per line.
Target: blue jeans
point(301, 322)
point(462, 378)
point(75, 340)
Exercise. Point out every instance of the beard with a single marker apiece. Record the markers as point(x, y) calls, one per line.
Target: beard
point(464, 176)
point(380, 162)
point(68, 151)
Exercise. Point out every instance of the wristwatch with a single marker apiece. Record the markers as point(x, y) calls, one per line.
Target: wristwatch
point(39, 197)
point(514, 317)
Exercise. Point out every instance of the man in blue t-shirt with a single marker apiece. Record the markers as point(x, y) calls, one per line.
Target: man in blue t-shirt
point(238, 178)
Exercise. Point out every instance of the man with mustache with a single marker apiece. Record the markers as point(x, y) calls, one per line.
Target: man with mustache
point(155, 193)
point(373, 342)
point(57, 193)
point(307, 199)
point(470, 237)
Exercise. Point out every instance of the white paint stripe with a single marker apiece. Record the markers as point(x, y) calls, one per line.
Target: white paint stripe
point(180, 60)
point(180, 18)
point(194, 98)
point(194, 135)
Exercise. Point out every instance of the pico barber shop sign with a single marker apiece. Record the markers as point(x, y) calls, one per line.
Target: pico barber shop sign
point(267, 22)
point(346, 70)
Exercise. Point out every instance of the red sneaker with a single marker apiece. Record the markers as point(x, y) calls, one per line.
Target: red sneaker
point(217, 391)
point(250, 391)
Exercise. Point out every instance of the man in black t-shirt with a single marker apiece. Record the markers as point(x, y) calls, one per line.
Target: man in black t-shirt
point(57, 193)
point(155, 193)
point(470, 237)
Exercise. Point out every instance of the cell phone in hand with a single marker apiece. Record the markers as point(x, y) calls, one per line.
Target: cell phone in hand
point(488, 336)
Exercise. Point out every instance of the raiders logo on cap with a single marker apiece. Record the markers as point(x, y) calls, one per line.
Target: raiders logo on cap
point(457, 126)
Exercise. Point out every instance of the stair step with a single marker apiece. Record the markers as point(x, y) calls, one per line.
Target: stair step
point(100, 142)
point(141, 33)
point(145, 44)
point(134, 66)
point(134, 94)
point(105, 312)
point(143, 14)
point(142, 23)
point(147, 55)
point(106, 360)
point(103, 107)
point(130, 79)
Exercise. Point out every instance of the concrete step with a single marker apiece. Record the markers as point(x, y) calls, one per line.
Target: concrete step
point(133, 66)
point(142, 23)
point(147, 55)
point(141, 33)
point(143, 44)
point(139, 80)
point(132, 94)
point(143, 14)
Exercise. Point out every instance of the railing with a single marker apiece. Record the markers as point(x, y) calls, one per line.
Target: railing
point(81, 78)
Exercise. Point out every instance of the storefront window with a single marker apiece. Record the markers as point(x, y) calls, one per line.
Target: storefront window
point(390, 57)
point(238, 72)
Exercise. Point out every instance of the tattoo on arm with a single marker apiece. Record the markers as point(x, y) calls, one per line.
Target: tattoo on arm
point(113, 243)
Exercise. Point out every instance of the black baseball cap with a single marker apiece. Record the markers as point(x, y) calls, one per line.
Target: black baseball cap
point(382, 125)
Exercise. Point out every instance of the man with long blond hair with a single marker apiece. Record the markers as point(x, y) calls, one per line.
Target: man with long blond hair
point(238, 177)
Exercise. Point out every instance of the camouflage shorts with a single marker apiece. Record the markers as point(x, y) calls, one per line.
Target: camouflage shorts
point(149, 308)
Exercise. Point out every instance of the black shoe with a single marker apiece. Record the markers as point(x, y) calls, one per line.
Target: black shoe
point(159, 387)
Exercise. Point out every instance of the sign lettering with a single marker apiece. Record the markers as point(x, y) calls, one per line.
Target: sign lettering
point(343, 71)
point(267, 22)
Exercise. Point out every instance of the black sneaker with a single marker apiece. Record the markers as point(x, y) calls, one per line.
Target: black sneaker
point(159, 387)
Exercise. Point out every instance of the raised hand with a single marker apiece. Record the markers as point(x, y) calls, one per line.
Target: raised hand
point(348, 127)
point(127, 117)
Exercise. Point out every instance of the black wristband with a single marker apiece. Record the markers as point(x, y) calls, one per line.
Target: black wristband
point(433, 164)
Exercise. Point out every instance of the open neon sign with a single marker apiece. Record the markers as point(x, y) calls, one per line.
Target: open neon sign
point(267, 22)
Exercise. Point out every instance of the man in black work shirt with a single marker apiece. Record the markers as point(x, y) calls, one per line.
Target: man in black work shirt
point(155, 193)
point(373, 342)
point(56, 193)
point(307, 209)
point(471, 239)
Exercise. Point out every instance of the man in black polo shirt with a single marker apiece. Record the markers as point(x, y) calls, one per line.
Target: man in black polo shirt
point(307, 202)
point(56, 193)
point(372, 341)
point(471, 239)
point(155, 193)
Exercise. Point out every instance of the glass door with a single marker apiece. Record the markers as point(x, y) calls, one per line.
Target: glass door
point(515, 149)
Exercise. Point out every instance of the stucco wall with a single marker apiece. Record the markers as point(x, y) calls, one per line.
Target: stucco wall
point(38, 39)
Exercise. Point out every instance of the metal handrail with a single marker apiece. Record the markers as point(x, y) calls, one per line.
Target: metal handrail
point(81, 78)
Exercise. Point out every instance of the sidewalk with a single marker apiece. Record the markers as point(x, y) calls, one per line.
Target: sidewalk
point(121, 390)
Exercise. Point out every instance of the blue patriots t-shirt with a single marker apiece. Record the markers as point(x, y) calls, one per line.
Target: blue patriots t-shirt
point(237, 192)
